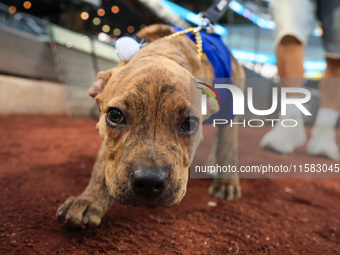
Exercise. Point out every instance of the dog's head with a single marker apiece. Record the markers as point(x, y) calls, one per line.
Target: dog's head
point(150, 125)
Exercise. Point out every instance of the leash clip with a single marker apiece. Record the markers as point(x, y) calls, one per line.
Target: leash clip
point(205, 23)
point(211, 16)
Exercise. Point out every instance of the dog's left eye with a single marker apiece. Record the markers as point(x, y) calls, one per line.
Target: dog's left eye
point(190, 125)
point(115, 116)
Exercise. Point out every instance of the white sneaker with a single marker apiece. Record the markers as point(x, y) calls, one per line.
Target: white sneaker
point(285, 139)
point(323, 142)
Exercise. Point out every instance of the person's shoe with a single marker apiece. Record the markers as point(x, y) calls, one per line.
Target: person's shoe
point(285, 139)
point(323, 142)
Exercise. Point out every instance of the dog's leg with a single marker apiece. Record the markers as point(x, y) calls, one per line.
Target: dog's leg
point(225, 185)
point(91, 205)
point(225, 150)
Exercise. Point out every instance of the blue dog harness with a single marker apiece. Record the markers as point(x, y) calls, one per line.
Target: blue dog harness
point(220, 58)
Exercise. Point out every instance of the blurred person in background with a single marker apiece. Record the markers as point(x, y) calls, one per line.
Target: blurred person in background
point(295, 20)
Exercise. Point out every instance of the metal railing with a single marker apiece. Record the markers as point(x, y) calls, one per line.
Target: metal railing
point(78, 59)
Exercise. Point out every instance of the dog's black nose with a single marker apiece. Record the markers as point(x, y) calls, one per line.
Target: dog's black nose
point(149, 183)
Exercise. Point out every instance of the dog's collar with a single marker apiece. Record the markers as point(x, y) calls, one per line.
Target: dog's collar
point(127, 47)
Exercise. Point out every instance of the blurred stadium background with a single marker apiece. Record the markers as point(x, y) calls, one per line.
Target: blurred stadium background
point(51, 50)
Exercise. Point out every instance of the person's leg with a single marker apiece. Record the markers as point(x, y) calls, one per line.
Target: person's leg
point(290, 66)
point(291, 34)
point(330, 86)
point(289, 55)
point(329, 15)
point(292, 30)
point(323, 140)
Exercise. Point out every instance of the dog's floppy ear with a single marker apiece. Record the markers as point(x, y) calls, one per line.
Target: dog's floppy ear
point(98, 86)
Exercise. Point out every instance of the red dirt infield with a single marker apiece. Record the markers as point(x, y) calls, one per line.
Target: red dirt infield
point(46, 159)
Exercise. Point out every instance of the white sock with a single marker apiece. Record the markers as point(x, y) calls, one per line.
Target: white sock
point(327, 117)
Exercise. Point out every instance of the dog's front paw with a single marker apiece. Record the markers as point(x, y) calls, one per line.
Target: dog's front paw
point(77, 212)
point(223, 188)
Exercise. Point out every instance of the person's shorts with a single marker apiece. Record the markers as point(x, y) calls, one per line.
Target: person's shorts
point(299, 17)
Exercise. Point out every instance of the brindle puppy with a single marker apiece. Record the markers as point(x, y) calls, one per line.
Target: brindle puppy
point(150, 127)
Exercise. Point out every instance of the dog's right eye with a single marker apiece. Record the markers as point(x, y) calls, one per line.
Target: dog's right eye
point(115, 116)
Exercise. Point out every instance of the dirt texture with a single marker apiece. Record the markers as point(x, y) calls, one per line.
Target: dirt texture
point(43, 160)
